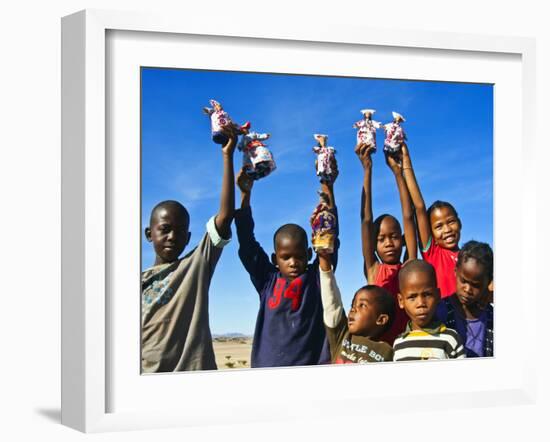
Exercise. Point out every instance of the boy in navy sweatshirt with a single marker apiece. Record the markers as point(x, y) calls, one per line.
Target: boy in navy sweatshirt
point(289, 328)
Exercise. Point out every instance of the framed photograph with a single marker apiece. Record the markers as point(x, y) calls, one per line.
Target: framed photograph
point(134, 134)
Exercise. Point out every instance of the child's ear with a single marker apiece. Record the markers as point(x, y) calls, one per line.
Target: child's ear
point(400, 301)
point(309, 254)
point(148, 234)
point(382, 319)
point(274, 259)
point(490, 287)
point(438, 294)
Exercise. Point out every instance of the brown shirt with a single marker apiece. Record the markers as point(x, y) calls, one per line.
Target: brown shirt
point(352, 349)
point(344, 347)
point(175, 330)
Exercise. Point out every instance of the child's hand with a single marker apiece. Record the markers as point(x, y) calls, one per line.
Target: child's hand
point(364, 154)
point(229, 147)
point(325, 260)
point(394, 164)
point(244, 182)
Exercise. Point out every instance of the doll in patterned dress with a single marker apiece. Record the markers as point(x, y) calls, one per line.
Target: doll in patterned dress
point(395, 135)
point(367, 129)
point(222, 123)
point(325, 159)
point(258, 160)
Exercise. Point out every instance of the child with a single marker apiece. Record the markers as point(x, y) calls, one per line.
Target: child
point(424, 337)
point(468, 311)
point(175, 334)
point(438, 229)
point(382, 239)
point(355, 339)
point(289, 328)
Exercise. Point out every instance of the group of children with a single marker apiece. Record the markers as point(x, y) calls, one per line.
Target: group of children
point(439, 307)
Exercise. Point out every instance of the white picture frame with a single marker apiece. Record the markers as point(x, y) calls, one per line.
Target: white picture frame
point(86, 318)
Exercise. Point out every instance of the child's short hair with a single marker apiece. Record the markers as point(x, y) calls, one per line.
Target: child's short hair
point(385, 304)
point(293, 231)
point(479, 251)
point(416, 265)
point(170, 203)
point(439, 205)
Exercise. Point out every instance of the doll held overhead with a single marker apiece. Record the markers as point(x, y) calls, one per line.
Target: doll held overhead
point(367, 127)
point(325, 159)
point(395, 135)
point(258, 160)
point(222, 124)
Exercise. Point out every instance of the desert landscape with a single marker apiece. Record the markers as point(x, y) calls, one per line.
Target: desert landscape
point(232, 351)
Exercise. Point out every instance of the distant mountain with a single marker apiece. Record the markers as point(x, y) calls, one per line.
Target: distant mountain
point(230, 335)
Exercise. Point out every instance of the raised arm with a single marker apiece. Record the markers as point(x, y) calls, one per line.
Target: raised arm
point(367, 222)
point(406, 207)
point(251, 253)
point(424, 228)
point(333, 308)
point(227, 199)
point(244, 182)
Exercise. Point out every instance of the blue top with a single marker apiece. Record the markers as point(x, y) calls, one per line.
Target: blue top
point(477, 334)
point(289, 328)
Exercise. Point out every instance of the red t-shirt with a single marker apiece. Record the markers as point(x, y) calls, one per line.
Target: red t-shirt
point(387, 279)
point(444, 262)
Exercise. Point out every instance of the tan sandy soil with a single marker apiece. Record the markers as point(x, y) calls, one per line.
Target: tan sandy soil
point(234, 353)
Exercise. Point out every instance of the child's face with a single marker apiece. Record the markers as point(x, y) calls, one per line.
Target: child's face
point(472, 282)
point(363, 317)
point(291, 257)
point(389, 243)
point(445, 227)
point(169, 233)
point(419, 296)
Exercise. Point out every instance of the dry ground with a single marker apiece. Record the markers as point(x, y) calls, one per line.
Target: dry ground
point(232, 353)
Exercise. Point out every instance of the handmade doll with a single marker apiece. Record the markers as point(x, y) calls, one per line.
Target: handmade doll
point(323, 225)
point(221, 121)
point(325, 159)
point(395, 135)
point(367, 129)
point(258, 161)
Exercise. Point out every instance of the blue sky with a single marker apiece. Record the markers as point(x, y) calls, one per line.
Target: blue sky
point(450, 136)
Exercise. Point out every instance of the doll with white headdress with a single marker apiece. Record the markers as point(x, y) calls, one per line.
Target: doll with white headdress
point(258, 160)
point(395, 135)
point(366, 133)
point(222, 123)
point(325, 159)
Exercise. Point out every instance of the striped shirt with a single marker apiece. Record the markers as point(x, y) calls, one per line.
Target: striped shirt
point(434, 342)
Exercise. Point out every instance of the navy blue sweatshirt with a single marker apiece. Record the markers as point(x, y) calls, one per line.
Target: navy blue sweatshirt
point(289, 328)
